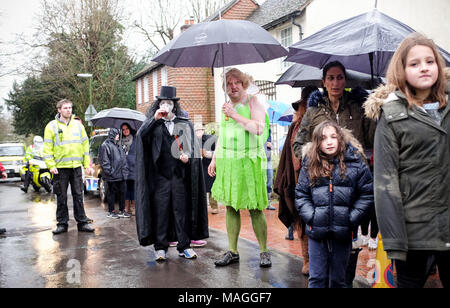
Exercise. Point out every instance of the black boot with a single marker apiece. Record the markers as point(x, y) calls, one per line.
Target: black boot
point(60, 229)
point(290, 235)
point(2, 230)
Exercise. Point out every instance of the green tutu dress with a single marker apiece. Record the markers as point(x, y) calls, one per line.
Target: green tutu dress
point(241, 165)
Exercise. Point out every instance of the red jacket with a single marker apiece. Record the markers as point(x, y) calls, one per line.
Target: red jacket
point(1, 168)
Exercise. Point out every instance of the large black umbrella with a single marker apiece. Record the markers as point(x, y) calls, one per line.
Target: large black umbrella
point(299, 75)
point(115, 117)
point(220, 43)
point(364, 43)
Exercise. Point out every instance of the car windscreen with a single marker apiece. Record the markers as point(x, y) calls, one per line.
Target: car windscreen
point(12, 151)
point(95, 143)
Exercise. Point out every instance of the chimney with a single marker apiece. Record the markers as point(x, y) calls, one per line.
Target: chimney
point(187, 23)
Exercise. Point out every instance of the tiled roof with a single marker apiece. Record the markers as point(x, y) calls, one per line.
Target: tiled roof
point(223, 10)
point(273, 12)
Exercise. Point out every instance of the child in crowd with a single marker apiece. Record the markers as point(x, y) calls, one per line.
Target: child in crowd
point(333, 195)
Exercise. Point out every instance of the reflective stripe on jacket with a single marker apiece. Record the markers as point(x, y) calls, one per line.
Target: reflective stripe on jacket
point(66, 146)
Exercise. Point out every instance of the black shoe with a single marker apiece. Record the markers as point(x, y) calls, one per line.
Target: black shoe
point(60, 229)
point(2, 230)
point(228, 258)
point(24, 189)
point(290, 235)
point(89, 220)
point(265, 259)
point(85, 228)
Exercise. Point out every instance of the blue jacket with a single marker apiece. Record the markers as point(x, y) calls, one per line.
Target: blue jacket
point(131, 160)
point(334, 211)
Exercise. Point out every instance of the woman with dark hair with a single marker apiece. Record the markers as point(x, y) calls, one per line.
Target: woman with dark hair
point(129, 147)
point(338, 105)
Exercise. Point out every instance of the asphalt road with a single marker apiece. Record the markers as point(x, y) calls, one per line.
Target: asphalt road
point(31, 256)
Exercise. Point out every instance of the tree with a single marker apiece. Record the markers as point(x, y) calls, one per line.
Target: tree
point(84, 36)
point(162, 18)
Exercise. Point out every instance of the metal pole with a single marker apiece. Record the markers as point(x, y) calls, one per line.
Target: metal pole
point(90, 91)
point(376, 3)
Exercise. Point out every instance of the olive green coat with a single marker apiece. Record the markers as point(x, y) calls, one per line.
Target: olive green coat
point(411, 174)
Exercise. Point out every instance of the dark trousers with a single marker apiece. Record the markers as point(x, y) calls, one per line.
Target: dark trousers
point(129, 195)
point(169, 198)
point(373, 226)
point(414, 272)
point(60, 184)
point(113, 188)
point(328, 261)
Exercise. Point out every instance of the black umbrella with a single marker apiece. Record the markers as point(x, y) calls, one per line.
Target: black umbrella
point(115, 117)
point(299, 75)
point(364, 43)
point(220, 43)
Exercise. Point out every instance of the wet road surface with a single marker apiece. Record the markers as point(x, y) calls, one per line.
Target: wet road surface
point(31, 256)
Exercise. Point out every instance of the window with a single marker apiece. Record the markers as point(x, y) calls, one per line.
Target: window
point(139, 91)
point(146, 93)
point(164, 76)
point(268, 88)
point(155, 84)
point(286, 41)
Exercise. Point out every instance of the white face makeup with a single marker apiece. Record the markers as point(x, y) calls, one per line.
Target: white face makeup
point(167, 105)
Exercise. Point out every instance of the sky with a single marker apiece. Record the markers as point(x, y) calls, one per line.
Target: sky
point(17, 17)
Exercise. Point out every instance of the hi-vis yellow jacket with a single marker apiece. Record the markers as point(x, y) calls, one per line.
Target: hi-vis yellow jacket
point(66, 146)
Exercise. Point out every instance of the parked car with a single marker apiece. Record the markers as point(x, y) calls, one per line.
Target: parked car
point(12, 157)
point(95, 142)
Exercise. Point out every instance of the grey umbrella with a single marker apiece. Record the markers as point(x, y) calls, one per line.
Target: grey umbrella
point(220, 43)
point(299, 75)
point(364, 43)
point(115, 117)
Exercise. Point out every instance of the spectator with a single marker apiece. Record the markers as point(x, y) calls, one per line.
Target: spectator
point(333, 195)
point(411, 161)
point(113, 161)
point(129, 147)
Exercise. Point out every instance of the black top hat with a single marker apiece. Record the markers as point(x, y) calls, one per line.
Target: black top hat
point(168, 92)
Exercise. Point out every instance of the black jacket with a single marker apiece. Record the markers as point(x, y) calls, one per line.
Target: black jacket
point(112, 159)
point(335, 212)
point(197, 214)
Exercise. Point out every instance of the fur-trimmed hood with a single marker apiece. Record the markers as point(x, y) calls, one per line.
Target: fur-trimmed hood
point(357, 95)
point(384, 94)
point(348, 138)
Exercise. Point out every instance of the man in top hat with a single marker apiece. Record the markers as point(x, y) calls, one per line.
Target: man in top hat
point(170, 190)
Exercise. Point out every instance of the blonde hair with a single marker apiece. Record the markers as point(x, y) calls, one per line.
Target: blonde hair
point(396, 75)
point(246, 79)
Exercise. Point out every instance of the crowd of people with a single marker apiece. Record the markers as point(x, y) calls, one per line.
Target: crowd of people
point(349, 160)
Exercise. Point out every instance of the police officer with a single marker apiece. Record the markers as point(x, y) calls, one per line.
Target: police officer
point(66, 151)
point(33, 151)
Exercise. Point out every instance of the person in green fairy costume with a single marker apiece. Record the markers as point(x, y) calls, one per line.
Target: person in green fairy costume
point(239, 164)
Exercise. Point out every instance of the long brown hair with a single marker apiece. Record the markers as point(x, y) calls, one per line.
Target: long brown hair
point(396, 71)
point(320, 164)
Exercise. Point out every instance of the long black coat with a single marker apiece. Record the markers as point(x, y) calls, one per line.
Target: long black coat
point(335, 213)
point(196, 211)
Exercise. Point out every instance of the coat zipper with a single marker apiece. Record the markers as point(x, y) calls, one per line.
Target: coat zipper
point(330, 224)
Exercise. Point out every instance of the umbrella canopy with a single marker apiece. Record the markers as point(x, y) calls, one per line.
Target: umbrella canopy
point(280, 113)
point(299, 75)
point(115, 117)
point(364, 43)
point(220, 43)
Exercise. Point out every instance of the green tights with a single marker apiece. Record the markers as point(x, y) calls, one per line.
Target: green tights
point(233, 223)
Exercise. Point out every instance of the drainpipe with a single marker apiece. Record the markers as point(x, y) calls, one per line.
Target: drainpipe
point(298, 25)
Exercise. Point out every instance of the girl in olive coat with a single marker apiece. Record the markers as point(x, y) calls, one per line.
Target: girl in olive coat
point(412, 162)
